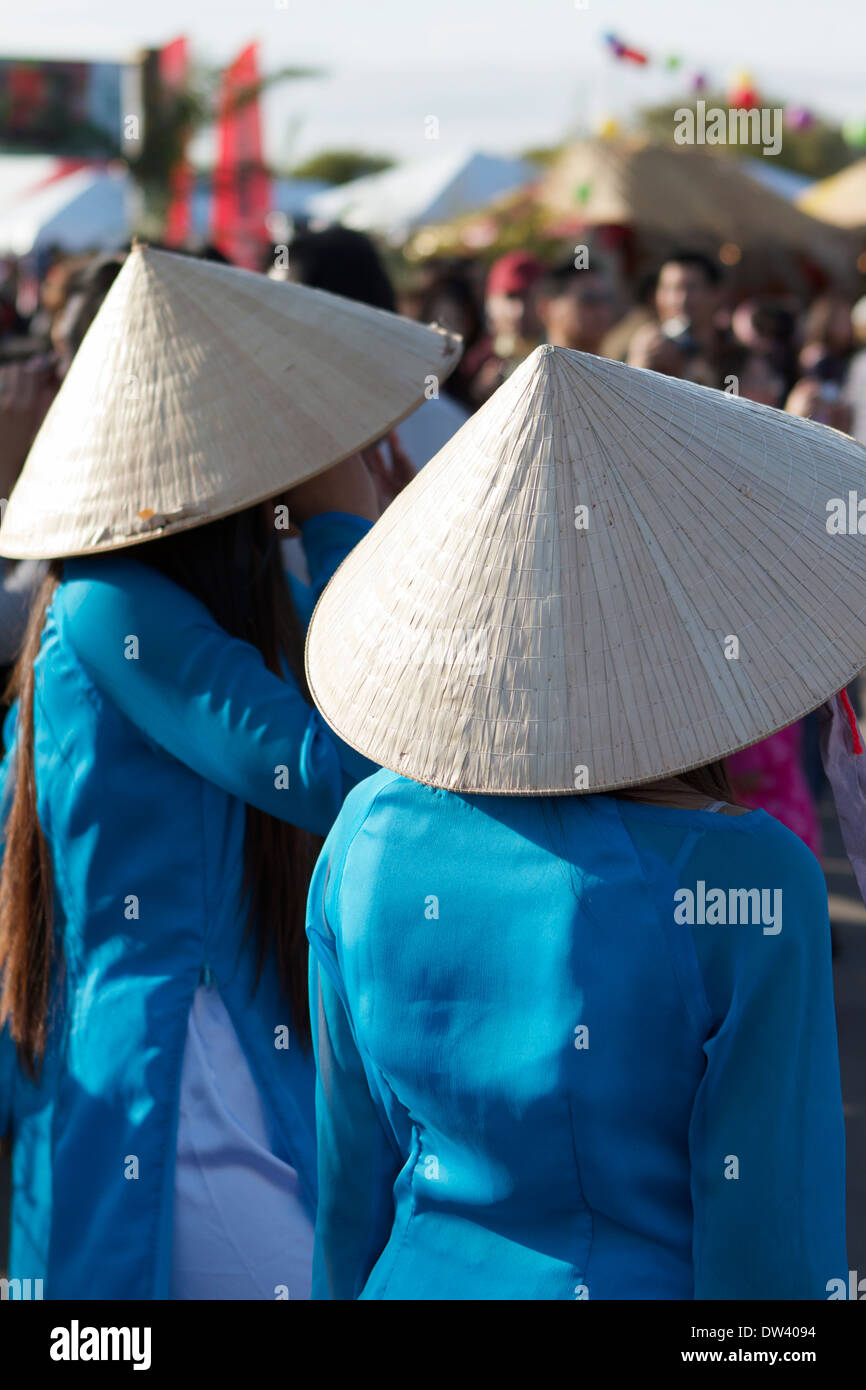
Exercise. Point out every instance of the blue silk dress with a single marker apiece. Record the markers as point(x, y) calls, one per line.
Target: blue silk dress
point(543, 1075)
point(146, 752)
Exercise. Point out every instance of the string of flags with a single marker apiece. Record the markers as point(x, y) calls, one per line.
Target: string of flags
point(742, 92)
point(622, 51)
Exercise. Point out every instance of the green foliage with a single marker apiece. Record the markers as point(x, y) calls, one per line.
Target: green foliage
point(170, 119)
point(542, 155)
point(341, 166)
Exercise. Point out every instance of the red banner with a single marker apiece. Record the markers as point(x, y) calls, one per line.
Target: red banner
point(242, 184)
point(173, 68)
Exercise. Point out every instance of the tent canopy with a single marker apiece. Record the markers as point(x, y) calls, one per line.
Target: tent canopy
point(421, 192)
point(82, 211)
point(22, 174)
point(840, 199)
point(43, 203)
point(682, 193)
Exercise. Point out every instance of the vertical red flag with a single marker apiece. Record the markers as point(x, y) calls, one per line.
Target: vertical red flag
point(173, 67)
point(242, 185)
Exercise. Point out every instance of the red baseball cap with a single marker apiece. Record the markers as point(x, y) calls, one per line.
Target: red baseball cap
point(514, 273)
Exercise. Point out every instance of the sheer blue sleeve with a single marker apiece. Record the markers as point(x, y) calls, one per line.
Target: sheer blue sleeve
point(767, 1133)
point(358, 1160)
point(205, 697)
point(327, 540)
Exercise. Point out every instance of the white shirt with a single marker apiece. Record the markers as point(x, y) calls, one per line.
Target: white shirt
point(240, 1228)
point(428, 429)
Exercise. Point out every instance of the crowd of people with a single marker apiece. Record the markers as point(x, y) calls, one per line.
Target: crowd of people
point(804, 357)
point(807, 358)
point(465, 1048)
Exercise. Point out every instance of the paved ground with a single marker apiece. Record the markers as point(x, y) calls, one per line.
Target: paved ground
point(848, 916)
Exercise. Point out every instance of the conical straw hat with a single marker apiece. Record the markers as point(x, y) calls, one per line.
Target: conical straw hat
point(200, 389)
point(488, 635)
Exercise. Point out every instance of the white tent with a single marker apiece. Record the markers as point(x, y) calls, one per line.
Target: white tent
point(94, 209)
point(421, 192)
point(90, 209)
point(21, 174)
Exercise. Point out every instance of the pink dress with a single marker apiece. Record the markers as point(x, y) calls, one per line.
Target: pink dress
point(769, 777)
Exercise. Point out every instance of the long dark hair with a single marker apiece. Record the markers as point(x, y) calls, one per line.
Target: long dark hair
point(711, 780)
point(233, 566)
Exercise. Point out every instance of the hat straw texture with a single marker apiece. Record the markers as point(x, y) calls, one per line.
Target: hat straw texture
point(606, 577)
point(200, 389)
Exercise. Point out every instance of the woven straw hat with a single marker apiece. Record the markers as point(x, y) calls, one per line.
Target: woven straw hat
point(606, 577)
point(201, 389)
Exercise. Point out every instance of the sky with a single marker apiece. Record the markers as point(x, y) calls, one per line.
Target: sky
point(500, 75)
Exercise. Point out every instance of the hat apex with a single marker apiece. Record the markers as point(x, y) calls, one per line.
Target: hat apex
point(200, 389)
point(607, 576)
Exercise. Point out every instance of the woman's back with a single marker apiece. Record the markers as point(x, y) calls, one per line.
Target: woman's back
point(153, 729)
point(584, 1093)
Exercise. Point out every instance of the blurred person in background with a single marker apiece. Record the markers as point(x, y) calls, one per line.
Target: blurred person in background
point(783, 775)
point(576, 308)
point(346, 262)
point(768, 328)
point(54, 290)
point(86, 289)
point(822, 401)
point(820, 397)
point(687, 340)
point(770, 776)
point(616, 341)
point(12, 324)
point(28, 386)
point(761, 381)
point(511, 320)
point(854, 392)
point(823, 362)
point(341, 261)
point(27, 389)
point(828, 340)
point(451, 299)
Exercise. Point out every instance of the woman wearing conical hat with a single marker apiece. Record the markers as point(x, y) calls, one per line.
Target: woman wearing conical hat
point(167, 773)
point(572, 1008)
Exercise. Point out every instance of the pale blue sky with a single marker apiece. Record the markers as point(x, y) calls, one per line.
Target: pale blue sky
point(499, 74)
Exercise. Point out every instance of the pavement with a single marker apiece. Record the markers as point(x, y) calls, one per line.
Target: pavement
point(848, 918)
